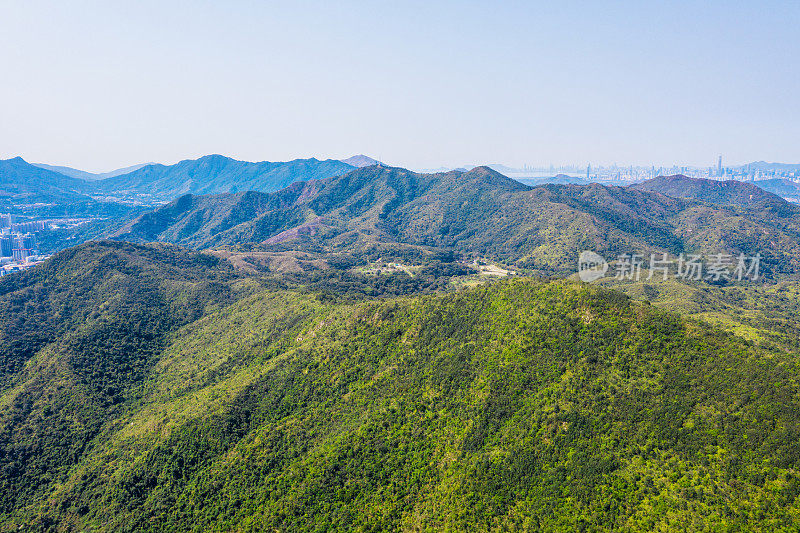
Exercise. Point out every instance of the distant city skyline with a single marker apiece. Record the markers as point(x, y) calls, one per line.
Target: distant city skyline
point(99, 86)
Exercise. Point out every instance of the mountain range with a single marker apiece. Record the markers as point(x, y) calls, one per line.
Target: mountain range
point(213, 174)
point(22, 183)
point(328, 205)
point(174, 374)
point(154, 184)
point(482, 212)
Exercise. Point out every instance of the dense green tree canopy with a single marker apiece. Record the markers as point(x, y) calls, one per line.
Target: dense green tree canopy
point(160, 390)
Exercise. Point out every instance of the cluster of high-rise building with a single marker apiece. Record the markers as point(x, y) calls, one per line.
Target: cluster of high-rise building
point(28, 226)
point(632, 173)
point(18, 245)
point(19, 242)
point(751, 172)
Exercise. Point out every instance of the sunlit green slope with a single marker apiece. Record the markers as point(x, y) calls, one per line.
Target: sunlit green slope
point(515, 405)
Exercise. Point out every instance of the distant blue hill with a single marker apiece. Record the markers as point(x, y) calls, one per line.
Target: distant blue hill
point(764, 166)
point(89, 176)
point(23, 183)
point(360, 160)
point(214, 174)
point(559, 179)
point(781, 187)
point(33, 191)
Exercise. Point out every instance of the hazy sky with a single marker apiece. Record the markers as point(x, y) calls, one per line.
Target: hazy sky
point(100, 85)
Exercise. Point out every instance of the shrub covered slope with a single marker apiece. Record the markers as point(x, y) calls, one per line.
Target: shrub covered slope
point(519, 404)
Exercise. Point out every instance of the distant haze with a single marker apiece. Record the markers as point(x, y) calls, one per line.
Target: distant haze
point(76, 173)
point(103, 85)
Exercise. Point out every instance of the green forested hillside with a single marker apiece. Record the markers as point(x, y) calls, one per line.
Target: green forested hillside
point(766, 314)
point(78, 336)
point(173, 395)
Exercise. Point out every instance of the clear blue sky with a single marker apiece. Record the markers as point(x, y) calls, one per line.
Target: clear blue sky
point(99, 85)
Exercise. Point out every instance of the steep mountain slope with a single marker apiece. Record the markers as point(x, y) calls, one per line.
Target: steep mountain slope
point(476, 212)
point(215, 174)
point(518, 405)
